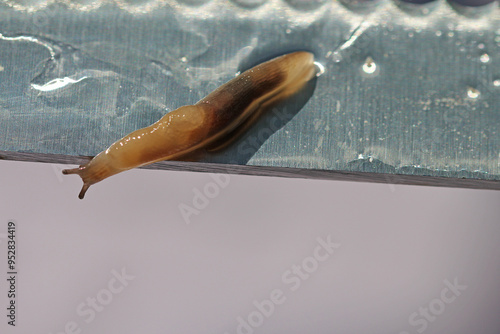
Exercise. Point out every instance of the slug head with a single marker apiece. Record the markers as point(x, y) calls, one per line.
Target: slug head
point(79, 171)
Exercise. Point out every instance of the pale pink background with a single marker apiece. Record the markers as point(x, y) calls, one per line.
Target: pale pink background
point(398, 244)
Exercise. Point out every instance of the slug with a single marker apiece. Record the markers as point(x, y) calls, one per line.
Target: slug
point(210, 123)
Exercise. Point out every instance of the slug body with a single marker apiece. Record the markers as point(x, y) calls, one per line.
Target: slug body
point(223, 114)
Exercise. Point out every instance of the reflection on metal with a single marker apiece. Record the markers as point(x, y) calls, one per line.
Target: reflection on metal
point(408, 93)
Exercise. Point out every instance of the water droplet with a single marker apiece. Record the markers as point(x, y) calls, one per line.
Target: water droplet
point(320, 68)
point(336, 56)
point(438, 33)
point(484, 58)
point(480, 46)
point(451, 34)
point(473, 93)
point(496, 83)
point(288, 31)
point(184, 59)
point(369, 67)
point(410, 34)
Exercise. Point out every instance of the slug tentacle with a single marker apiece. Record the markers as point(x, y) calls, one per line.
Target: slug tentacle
point(212, 123)
point(80, 172)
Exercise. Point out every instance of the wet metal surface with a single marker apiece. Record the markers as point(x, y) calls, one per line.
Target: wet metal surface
point(408, 90)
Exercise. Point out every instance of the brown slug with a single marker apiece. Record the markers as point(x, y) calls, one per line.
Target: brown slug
point(222, 115)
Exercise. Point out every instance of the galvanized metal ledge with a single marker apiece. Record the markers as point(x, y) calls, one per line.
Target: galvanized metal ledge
point(454, 181)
